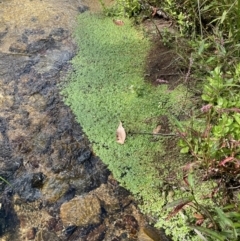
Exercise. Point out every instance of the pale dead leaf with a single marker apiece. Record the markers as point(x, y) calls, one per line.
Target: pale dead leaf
point(198, 216)
point(154, 11)
point(161, 81)
point(157, 129)
point(121, 134)
point(118, 22)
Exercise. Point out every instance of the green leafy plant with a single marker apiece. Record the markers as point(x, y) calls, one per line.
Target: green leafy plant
point(227, 223)
point(214, 138)
point(207, 220)
point(196, 18)
point(208, 32)
point(212, 135)
point(125, 8)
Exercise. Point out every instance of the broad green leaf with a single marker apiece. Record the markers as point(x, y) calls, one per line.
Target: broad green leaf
point(191, 180)
point(237, 117)
point(207, 97)
point(210, 59)
point(229, 121)
point(179, 202)
point(220, 101)
point(227, 207)
point(184, 150)
point(223, 16)
point(213, 234)
point(177, 123)
point(223, 218)
point(236, 225)
point(233, 215)
point(201, 47)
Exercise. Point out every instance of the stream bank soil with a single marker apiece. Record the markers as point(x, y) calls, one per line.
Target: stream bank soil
point(59, 189)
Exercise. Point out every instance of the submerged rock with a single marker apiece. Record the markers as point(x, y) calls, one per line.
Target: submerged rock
point(97, 234)
point(27, 186)
point(54, 189)
point(109, 201)
point(81, 211)
point(45, 235)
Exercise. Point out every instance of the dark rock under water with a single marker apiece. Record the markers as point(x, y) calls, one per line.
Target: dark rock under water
point(44, 154)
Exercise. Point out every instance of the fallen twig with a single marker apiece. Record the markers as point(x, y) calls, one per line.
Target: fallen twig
point(149, 133)
point(234, 187)
point(169, 74)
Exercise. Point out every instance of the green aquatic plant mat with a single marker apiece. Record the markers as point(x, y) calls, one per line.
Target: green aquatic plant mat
point(106, 87)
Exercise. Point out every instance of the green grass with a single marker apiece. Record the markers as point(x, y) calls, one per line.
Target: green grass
point(107, 86)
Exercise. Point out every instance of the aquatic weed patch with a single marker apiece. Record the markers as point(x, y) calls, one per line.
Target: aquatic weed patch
point(107, 86)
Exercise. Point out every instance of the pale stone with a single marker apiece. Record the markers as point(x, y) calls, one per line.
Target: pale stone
point(81, 211)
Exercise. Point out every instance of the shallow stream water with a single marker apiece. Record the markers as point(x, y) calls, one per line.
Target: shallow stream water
point(59, 190)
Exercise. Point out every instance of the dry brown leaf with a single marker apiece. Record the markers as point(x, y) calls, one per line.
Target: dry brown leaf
point(121, 134)
point(200, 219)
point(118, 22)
point(198, 216)
point(177, 209)
point(157, 129)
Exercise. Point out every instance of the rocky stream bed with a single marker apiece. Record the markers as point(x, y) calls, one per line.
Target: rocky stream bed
point(59, 189)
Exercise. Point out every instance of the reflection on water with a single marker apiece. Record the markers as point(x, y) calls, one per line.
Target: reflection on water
point(17, 15)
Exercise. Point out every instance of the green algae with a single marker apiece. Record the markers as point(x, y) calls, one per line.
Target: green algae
point(107, 86)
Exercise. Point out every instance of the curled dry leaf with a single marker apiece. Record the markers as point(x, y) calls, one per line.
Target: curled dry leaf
point(199, 222)
point(190, 166)
point(118, 22)
point(154, 11)
point(121, 134)
point(198, 216)
point(157, 130)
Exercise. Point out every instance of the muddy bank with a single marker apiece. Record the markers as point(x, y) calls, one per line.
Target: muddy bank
point(59, 189)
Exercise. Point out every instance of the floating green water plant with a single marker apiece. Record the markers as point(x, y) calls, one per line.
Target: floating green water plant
point(107, 86)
